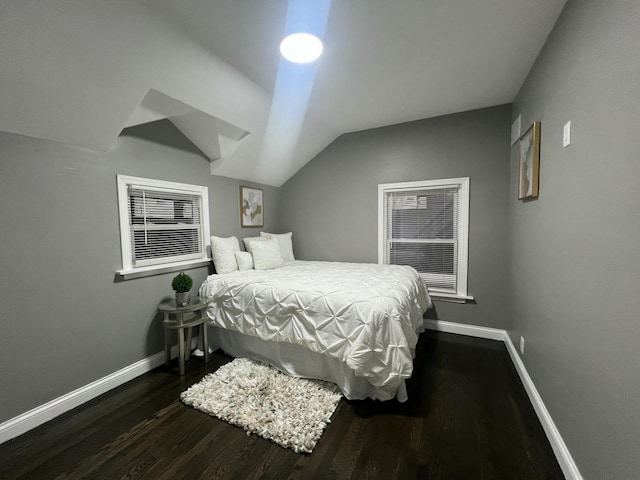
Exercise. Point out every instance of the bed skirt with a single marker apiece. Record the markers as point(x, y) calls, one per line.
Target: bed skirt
point(300, 362)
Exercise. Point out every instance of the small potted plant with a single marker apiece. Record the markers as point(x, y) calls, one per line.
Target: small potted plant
point(182, 284)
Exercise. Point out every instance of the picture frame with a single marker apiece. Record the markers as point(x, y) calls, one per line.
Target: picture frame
point(251, 207)
point(529, 163)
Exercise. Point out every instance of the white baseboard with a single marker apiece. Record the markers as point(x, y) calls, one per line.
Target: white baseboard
point(569, 468)
point(463, 329)
point(48, 411)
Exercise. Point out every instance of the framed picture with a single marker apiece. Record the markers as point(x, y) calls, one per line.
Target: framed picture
point(251, 207)
point(529, 163)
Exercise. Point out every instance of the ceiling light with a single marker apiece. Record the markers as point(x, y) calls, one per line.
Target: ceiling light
point(301, 48)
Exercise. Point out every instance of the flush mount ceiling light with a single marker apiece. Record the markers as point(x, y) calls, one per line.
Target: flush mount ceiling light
point(301, 48)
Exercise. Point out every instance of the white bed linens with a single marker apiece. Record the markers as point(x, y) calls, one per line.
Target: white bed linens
point(365, 315)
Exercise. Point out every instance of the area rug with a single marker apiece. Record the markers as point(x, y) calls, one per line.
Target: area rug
point(292, 412)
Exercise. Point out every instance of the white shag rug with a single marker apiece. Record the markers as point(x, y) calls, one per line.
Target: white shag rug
point(292, 412)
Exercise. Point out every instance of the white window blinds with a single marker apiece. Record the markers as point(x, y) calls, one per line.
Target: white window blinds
point(164, 226)
point(424, 225)
point(161, 222)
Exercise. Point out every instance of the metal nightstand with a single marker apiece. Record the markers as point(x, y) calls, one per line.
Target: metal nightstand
point(181, 318)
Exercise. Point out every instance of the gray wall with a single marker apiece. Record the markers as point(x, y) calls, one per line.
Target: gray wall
point(574, 257)
point(65, 321)
point(331, 203)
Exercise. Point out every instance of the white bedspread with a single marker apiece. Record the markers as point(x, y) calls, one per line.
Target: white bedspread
point(365, 315)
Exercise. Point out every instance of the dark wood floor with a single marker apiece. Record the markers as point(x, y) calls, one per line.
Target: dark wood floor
point(468, 417)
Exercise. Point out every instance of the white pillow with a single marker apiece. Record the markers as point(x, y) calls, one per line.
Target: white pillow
point(249, 242)
point(244, 260)
point(223, 252)
point(266, 254)
point(286, 245)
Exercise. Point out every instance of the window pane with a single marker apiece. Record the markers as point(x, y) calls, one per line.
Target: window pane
point(423, 214)
point(164, 243)
point(425, 257)
point(163, 211)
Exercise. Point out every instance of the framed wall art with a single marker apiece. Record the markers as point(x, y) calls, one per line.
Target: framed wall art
point(529, 163)
point(251, 207)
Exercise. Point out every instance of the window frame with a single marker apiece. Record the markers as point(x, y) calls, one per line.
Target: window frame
point(129, 270)
point(462, 183)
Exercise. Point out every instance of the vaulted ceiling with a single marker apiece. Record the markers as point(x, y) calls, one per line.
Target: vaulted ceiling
point(80, 71)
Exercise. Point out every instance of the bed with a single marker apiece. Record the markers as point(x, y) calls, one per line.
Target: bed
point(353, 324)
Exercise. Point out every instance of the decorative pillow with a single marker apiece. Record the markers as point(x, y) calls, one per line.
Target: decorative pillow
point(223, 250)
point(266, 254)
point(286, 245)
point(244, 260)
point(249, 242)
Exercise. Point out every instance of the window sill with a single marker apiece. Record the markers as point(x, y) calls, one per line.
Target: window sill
point(159, 269)
point(451, 298)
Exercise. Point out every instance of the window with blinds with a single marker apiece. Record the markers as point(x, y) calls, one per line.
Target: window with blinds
point(425, 225)
point(161, 223)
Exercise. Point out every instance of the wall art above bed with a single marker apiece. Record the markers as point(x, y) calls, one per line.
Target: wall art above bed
point(251, 207)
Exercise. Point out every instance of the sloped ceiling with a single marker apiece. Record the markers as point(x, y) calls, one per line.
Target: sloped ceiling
point(79, 71)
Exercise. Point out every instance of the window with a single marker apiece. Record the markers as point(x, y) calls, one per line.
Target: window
point(163, 225)
point(425, 225)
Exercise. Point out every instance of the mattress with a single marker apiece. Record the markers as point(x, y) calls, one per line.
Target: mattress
point(365, 316)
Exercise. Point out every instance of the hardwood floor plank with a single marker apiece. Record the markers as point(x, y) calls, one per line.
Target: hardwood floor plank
point(307, 466)
point(468, 416)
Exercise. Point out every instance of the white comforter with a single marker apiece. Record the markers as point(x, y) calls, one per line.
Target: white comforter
point(365, 315)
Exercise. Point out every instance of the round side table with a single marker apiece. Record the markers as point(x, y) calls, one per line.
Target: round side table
point(180, 318)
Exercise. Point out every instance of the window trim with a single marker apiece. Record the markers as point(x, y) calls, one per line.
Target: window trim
point(461, 295)
point(128, 270)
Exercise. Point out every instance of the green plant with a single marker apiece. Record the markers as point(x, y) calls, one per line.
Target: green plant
point(182, 283)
